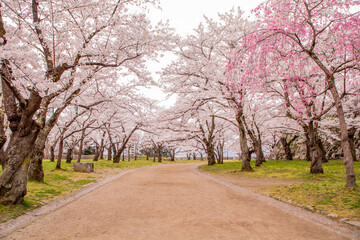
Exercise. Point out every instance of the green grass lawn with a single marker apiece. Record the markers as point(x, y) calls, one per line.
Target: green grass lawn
point(324, 192)
point(60, 183)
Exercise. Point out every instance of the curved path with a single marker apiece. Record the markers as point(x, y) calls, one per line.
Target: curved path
point(170, 202)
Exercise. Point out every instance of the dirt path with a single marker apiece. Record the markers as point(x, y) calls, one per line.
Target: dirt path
point(170, 202)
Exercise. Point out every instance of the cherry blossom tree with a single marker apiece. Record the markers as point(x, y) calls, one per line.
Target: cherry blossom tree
point(306, 44)
point(49, 53)
point(326, 34)
point(200, 68)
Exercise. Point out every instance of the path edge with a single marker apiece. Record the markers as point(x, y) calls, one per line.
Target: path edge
point(315, 218)
point(12, 225)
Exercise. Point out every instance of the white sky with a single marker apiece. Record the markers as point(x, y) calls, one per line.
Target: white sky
point(184, 16)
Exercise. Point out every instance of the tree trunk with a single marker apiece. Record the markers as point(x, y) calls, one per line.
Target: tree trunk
point(245, 156)
point(256, 139)
point(287, 148)
point(3, 139)
point(159, 154)
point(323, 151)
point(345, 143)
point(81, 145)
point(259, 155)
point(307, 142)
point(117, 157)
point(69, 155)
point(220, 153)
point(25, 130)
point(210, 151)
point(316, 156)
point(97, 153)
point(110, 153)
point(60, 153)
point(351, 134)
point(36, 171)
point(101, 153)
point(124, 143)
point(129, 156)
point(13, 179)
point(52, 154)
point(172, 155)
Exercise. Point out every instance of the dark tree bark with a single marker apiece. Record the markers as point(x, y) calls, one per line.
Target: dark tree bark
point(257, 143)
point(52, 154)
point(109, 153)
point(60, 153)
point(69, 155)
point(345, 142)
point(308, 148)
point(129, 155)
point(351, 133)
point(315, 150)
point(81, 145)
point(148, 153)
point(210, 151)
point(13, 180)
point(172, 153)
point(220, 153)
point(36, 172)
point(194, 156)
point(259, 155)
point(3, 140)
point(323, 151)
point(25, 130)
point(286, 145)
point(245, 156)
point(115, 155)
point(159, 154)
point(207, 139)
point(123, 146)
point(97, 153)
point(101, 149)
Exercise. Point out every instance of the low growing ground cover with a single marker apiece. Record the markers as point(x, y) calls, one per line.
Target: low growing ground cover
point(60, 183)
point(325, 193)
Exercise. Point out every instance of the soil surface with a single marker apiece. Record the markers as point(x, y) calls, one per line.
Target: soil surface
point(172, 202)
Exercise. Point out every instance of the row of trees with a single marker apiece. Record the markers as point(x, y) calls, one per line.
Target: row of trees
point(71, 66)
point(70, 73)
point(292, 72)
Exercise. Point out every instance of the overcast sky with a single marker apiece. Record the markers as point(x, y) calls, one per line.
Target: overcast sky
point(184, 16)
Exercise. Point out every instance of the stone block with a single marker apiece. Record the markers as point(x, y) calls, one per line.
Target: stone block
point(84, 167)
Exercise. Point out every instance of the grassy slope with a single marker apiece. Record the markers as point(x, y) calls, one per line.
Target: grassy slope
point(324, 192)
point(61, 183)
